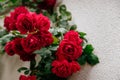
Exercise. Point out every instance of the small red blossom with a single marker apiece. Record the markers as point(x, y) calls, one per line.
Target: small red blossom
point(8, 48)
point(23, 77)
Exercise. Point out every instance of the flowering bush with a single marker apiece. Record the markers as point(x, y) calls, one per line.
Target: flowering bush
point(61, 48)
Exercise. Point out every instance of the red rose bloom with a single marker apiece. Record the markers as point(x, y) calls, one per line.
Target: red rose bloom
point(62, 68)
point(9, 49)
point(19, 10)
point(10, 22)
point(73, 36)
point(42, 23)
point(31, 43)
point(22, 77)
point(25, 23)
point(75, 66)
point(17, 47)
point(69, 50)
point(47, 4)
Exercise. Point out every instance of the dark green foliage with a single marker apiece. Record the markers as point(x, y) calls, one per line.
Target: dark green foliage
point(88, 49)
point(92, 59)
point(88, 56)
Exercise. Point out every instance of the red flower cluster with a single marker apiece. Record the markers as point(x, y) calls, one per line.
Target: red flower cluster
point(69, 51)
point(10, 21)
point(36, 27)
point(22, 77)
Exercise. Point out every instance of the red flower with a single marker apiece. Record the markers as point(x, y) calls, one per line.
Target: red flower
point(75, 66)
point(22, 77)
point(10, 22)
point(18, 49)
point(42, 23)
point(25, 23)
point(64, 68)
point(69, 50)
point(47, 4)
point(9, 49)
point(73, 36)
point(19, 10)
point(31, 43)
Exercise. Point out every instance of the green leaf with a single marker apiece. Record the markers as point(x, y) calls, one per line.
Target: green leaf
point(56, 40)
point(32, 64)
point(45, 13)
point(66, 16)
point(1, 7)
point(82, 34)
point(48, 68)
point(40, 51)
point(13, 1)
point(88, 49)
point(82, 60)
point(54, 17)
point(73, 27)
point(2, 51)
point(44, 52)
point(92, 59)
point(6, 39)
point(62, 9)
point(26, 72)
point(3, 32)
point(63, 24)
point(53, 48)
point(22, 69)
point(59, 30)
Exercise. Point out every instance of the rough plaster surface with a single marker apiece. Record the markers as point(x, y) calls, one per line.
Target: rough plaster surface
point(100, 19)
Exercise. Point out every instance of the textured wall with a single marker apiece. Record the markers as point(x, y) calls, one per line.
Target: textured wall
point(100, 19)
